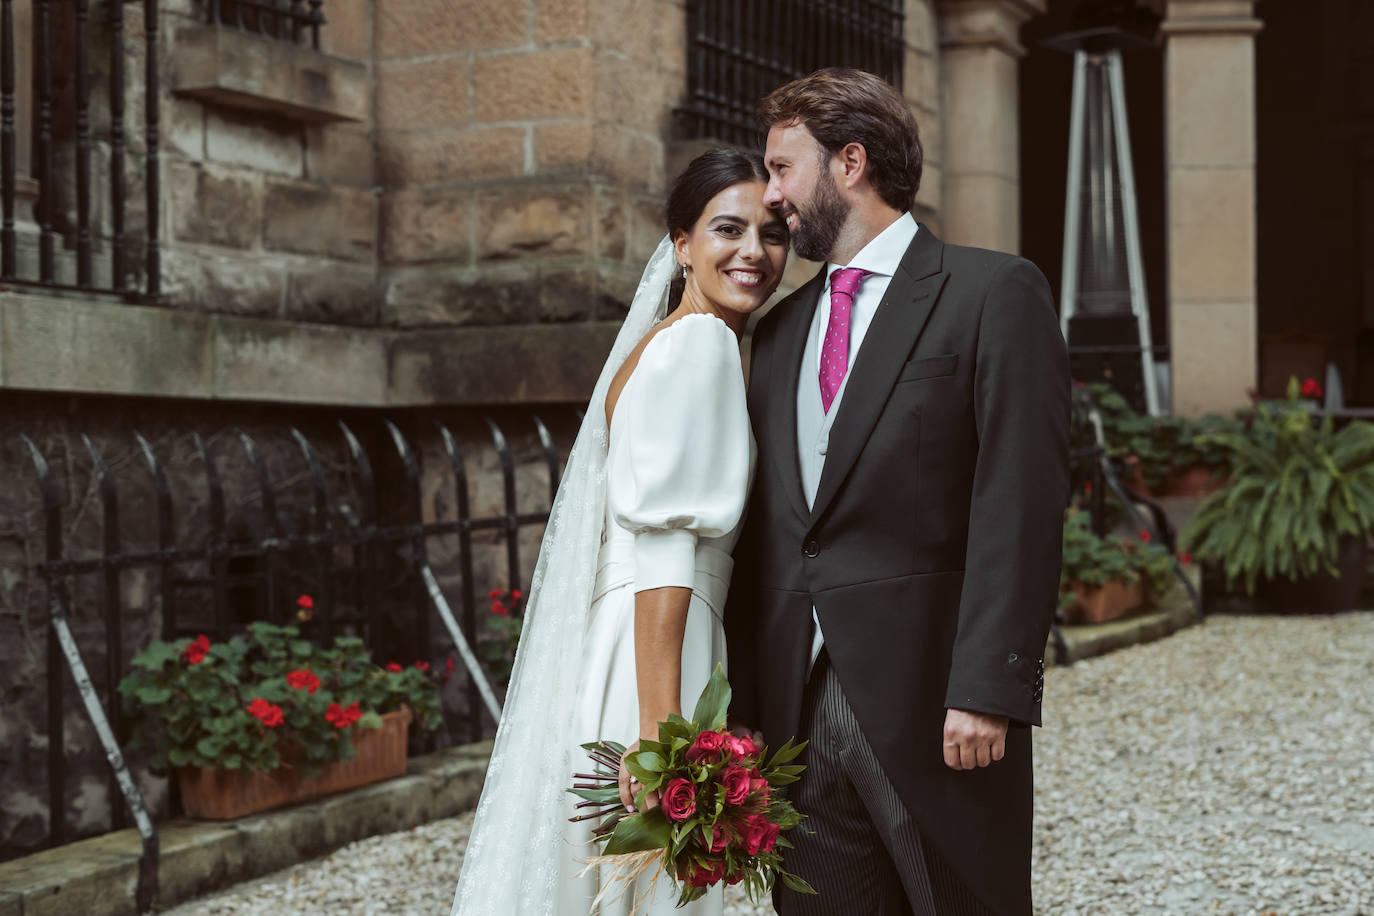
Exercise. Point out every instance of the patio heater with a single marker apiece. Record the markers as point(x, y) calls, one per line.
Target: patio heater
point(1104, 312)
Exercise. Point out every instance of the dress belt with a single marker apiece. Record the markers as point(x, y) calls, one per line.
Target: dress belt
point(615, 568)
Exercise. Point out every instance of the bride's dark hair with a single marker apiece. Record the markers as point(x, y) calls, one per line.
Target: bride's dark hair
point(705, 177)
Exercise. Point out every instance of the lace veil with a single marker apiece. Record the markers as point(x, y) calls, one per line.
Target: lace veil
point(513, 855)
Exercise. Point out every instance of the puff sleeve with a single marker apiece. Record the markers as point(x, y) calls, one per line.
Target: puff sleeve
point(680, 464)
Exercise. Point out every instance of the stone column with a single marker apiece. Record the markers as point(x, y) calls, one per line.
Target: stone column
point(1210, 160)
point(979, 50)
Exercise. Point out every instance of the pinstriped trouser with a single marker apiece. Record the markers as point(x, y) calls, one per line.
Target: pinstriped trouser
point(865, 855)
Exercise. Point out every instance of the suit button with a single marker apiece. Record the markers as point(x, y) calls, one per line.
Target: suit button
point(811, 549)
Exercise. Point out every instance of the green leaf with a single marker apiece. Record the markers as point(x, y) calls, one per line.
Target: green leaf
point(370, 720)
point(153, 695)
point(231, 761)
point(795, 883)
point(787, 752)
point(650, 779)
point(639, 832)
point(179, 757)
point(713, 703)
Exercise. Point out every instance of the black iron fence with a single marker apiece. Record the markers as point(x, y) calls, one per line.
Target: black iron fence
point(739, 52)
point(344, 548)
point(288, 20)
point(50, 54)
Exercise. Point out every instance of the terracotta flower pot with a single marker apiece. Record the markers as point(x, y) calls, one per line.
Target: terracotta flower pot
point(226, 794)
point(1193, 483)
point(1098, 604)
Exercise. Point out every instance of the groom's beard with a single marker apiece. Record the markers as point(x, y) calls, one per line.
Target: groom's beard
point(819, 222)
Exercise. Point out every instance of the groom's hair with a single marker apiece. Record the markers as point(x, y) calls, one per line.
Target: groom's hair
point(840, 106)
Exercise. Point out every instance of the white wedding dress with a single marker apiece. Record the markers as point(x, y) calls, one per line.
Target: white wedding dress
point(678, 464)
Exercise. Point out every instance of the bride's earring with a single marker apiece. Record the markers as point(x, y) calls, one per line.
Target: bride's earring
point(684, 271)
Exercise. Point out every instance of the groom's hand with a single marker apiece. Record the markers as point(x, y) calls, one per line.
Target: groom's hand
point(973, 739)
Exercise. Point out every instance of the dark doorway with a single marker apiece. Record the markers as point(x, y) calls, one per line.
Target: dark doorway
point(1315, 193)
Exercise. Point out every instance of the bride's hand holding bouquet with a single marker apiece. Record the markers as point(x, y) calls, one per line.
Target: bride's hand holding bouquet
point(705, 809)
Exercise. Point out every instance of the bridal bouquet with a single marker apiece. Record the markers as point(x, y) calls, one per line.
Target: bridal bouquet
point(718, 817)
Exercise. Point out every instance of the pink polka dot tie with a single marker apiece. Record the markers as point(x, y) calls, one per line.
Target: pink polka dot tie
point(844, 283)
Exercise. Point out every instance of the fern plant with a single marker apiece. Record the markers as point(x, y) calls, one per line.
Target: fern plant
point(1297, 489)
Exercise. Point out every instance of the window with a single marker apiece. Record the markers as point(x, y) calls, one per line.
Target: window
point(740, 50)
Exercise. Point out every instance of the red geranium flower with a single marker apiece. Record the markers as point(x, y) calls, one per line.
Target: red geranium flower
point(195, 653)
point(303, 679)
point(1186, 557)
point(494, 594)
point(1144, 535)
point(1311, 388)
point(515, 595)
point(423, 666)
point(269, 714)
point(394, 668)
point(343, 716)
point(305, 601)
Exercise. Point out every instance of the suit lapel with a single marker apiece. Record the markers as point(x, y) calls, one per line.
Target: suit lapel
point(782, 422)
point(887, 344)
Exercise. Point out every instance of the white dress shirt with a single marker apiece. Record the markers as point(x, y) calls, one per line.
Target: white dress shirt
point(880, 257)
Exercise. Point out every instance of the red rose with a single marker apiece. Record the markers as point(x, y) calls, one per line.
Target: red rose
point(679, 799)
point(1311, 388)
point(304, 679)
point(743, 746)
point(708, 748)
point(305, 601)
point(720, 837)
point(735, 781)
point(752, 832)
point(735, 877)
point(423, 666)
point(704, 874)
point(195, 653)
point(770, 836)
point(394, 668)
point(269, 714)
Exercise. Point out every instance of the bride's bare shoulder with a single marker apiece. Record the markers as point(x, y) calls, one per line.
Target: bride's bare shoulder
point(627, 369)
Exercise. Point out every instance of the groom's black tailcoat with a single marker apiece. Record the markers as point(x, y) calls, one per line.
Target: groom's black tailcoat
point(932, 551)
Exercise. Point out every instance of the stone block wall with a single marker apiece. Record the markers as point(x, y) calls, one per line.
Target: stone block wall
point(271, 211)
point(521, 155)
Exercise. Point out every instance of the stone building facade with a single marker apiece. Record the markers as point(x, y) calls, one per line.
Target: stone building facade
point(443, 211)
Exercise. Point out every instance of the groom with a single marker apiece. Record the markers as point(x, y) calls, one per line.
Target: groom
point(899, 568)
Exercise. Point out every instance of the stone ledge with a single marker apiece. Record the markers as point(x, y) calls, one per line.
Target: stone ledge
point(238, 69)
point(97, 877)
point(1175, 611)
point(96, 345)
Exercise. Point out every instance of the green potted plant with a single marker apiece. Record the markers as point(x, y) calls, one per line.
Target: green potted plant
point(267, 718)
point(1293, 519)
point(1162, 456)
point(1103, 578)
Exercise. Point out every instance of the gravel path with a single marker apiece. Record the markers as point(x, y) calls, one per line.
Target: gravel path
point(1228, 769)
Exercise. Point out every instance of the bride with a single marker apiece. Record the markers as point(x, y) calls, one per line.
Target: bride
point(623, 624)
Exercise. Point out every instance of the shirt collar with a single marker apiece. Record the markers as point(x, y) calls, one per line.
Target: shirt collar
point(884, 252)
